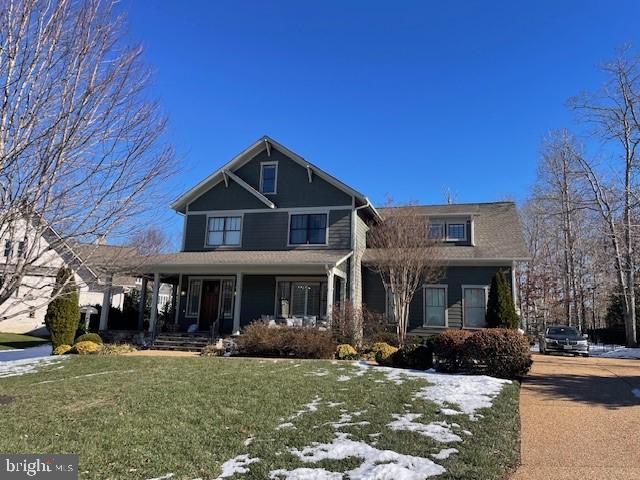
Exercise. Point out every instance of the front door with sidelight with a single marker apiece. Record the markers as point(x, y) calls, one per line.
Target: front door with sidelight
point(209, 304)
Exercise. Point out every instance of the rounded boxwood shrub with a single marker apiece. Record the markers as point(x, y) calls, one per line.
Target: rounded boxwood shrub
point(384, 354)
point(448, 348)
point(86, 348)
point(500, 352)
point(346, 352)
point(90, 337)
point(62, 349)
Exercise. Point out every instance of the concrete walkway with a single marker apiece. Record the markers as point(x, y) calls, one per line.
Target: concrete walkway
point(580, 419)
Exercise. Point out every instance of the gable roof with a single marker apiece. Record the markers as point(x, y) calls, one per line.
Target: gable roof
point(497, 232)
point(264, 143)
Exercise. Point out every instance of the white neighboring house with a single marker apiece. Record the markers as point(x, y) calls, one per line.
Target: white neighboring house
point(93, 267)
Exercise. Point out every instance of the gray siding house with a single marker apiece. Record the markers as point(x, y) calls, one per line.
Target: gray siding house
point(270, 235)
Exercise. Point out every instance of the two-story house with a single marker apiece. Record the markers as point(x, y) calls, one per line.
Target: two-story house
point(270, 235)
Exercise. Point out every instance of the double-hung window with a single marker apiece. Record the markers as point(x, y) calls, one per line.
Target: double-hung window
point(436, 231)
point(474, 300)
point(268, 177)
point(456, 232)
point(435, 306)
point(8, 248)
point(308, 229)
point(223, 231)
point(301, 298)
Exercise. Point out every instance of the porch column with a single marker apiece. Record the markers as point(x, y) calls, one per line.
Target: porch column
point(177, 304)
point(154, 302)
point(237, 305)
point(330, 276)
point(143, 301)
point(106, 304)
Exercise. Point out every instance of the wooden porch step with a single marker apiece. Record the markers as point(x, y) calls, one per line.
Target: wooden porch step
point(186, 342)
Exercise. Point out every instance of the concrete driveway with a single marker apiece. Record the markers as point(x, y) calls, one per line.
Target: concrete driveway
point(580, 419)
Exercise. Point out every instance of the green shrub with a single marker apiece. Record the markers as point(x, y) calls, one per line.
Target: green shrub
point(448, 348)
point(384, 353)
point(346, 352)
point(501, 312)
point(63, 313)
point(116, 349)
point(212, 350)
point(413, 356)
point(62, 349)
point(499, 352)
point(259, 339)
point(90, 337)
point(86, 348)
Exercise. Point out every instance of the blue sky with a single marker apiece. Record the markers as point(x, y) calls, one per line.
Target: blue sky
point(405, 98)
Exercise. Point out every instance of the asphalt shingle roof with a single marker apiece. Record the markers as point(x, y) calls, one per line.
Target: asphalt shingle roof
point(497, 232)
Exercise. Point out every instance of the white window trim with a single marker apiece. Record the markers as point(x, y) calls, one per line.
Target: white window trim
point(202, 279)
point(275, 183)
point(486, 299)
point(446, 305)
point(464, 230)
point(308, 245)
point(311, 279)
point(223, 215)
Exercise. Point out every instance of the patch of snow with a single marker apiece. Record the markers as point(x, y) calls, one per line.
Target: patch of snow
point(345, 420)
point(617, 352)
point(16, 368)
point(468, 392)
point(439, 431)
point(248, 441)
point(374, 435)
point(334, 404)
point(444, 453)
point(344, 378)
point(467, 432)
point(285, 425)
point(450, 411)
point(312, 406)
point(305, 474)
point(164, 477)
point(236, 465)
point(377, 464)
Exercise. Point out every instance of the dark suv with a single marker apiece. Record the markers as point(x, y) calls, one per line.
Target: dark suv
point(561, 338)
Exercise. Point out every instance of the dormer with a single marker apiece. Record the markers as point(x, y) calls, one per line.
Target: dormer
point(454, 229)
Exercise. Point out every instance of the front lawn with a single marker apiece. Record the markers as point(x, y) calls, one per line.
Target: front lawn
point(145, 417)
point(9, 341)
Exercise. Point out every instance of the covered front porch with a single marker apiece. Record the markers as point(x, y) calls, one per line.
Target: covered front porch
point(219, 292)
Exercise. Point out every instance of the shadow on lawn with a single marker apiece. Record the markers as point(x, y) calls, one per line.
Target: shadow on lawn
point(611, 392)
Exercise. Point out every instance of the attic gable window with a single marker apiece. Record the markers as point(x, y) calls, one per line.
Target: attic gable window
point(268, 177)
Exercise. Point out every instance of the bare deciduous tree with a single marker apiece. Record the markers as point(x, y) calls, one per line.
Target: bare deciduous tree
point(614, 114)
point(81, 144)
point(405, 258)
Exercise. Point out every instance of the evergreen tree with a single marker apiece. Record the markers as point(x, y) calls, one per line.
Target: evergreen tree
point(501, 311)
point(63, 313)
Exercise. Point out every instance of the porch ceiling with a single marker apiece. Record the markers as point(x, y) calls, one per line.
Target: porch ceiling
point(301, 259)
